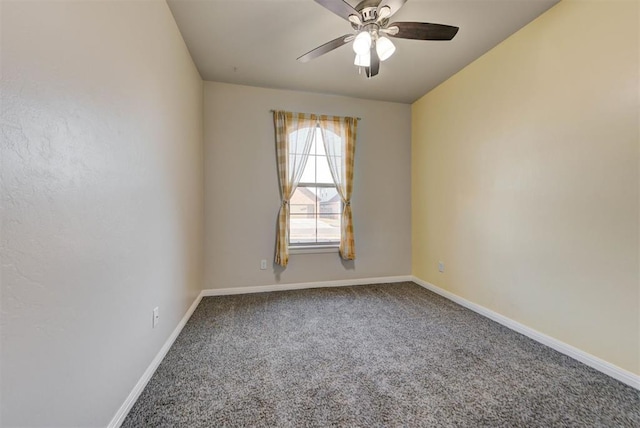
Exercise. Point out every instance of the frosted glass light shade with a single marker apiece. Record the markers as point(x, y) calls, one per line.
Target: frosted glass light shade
point(363, 60)
point(362, 43)
point(385, 48)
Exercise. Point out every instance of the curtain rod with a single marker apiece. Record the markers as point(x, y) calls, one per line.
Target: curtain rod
point(272, 110)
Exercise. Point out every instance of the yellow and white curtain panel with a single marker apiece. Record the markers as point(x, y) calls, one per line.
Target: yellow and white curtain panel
point(339, 136)
point(294, 136)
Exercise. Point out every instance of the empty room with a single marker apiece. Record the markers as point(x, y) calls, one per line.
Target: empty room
point(353, 213)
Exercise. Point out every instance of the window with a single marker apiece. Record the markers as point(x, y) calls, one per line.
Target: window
point(305, 176)
point(315, 207)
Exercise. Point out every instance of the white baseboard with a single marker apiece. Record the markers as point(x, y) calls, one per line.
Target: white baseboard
point(603, 366)
point(303, 285)
point(146, 376)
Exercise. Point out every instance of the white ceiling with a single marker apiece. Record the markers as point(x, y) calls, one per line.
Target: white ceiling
point(256, 42)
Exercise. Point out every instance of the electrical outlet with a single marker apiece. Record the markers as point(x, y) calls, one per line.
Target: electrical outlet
point(441, 266)
point(263, 264)
point(156, 316)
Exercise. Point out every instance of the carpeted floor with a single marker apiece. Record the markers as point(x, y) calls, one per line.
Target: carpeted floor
point(369, 356)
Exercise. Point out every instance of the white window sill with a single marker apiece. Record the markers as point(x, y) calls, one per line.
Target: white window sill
point(313, 249)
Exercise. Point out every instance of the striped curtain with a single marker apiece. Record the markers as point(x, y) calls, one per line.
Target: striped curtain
point(339, 136)
point(294, 136)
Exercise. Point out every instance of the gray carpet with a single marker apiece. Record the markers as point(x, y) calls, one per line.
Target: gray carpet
point(367, 356)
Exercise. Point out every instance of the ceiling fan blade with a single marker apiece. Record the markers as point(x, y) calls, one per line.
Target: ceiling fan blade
point(375, 62)
point(423, 31)
point(327, 47)
point(394, 5)
point(339, 7)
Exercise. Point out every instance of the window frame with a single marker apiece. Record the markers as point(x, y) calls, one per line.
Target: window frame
point(316, 247)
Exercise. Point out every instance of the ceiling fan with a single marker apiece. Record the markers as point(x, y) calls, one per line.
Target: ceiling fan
point(370, 20)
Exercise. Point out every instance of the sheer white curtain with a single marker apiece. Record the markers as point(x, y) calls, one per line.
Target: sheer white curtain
point(339, 136)
point(294, 136)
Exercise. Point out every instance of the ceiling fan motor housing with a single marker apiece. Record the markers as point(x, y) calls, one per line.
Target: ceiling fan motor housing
point(367, 4)
point(369, 14)
point(368, 10)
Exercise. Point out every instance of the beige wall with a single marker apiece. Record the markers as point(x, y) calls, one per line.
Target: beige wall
point(241, 187)
point(525, 179)
point(102, 203)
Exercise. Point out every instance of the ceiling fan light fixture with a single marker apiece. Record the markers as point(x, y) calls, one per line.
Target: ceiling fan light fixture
point(362, 43)
point(363, 60)
point(384, 48)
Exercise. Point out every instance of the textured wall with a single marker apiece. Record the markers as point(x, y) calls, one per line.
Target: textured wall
point(525, 179)
point(242, 197)
point(102, 202)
